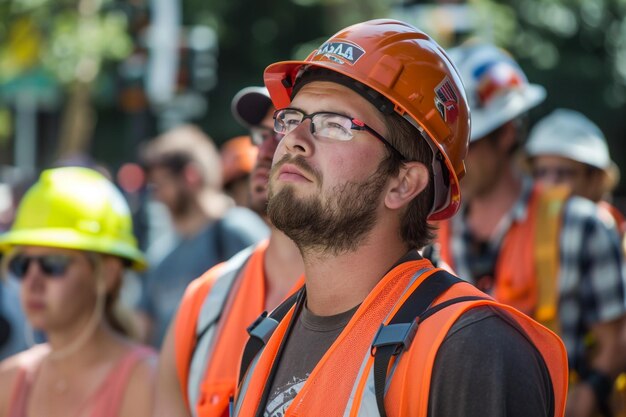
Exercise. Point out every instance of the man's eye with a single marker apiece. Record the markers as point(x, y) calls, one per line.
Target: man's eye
point(291, 122)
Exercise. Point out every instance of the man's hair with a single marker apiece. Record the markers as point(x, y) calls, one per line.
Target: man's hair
point(181, 146)
point(414, 228)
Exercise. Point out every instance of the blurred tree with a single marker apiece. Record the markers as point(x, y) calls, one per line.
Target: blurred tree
point(575, 48)
point(60, 43)
point(584, 38)
point(253, 34)
point(95, 55)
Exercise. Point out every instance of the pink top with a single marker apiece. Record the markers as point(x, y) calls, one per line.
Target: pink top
point(106, 401)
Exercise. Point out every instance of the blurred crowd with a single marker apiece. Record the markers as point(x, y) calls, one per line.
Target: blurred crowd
point(96, 264)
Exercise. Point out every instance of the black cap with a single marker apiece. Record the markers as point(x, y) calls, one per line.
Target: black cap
point(250, 105)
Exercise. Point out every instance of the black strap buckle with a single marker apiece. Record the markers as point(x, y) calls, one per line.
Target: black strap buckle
point(263, 327)
point(401, 335)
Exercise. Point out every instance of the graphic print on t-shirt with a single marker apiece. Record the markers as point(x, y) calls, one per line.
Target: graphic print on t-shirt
point(283, 396)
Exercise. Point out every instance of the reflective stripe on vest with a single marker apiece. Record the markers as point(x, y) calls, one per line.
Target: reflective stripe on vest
point(207, 320)
point(205, 328)
point(345, 371)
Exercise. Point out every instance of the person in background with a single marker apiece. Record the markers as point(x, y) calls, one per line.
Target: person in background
point(376, 125)
point(238, 158)
point(69, 246)
point(567, 149)
point(253, 109)
point(200, 356)
point(183, 168)
point(538, 249)
point(12, 318)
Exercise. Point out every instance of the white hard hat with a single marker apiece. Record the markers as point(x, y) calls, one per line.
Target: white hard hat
point(569, 134)
point(497, 88)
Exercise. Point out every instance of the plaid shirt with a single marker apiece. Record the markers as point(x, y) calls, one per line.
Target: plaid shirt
point(591, 275)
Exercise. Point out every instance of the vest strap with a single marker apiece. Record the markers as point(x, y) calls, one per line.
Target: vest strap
point(402, 328)
point(261, 330)
point(263, 327)
point(398, 335)
point(209, 316)
point(426, 314)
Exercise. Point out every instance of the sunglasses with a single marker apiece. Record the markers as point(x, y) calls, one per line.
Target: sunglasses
point(52, 265)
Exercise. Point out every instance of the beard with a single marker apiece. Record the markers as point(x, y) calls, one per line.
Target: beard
point(182, 204)
point(338, 224)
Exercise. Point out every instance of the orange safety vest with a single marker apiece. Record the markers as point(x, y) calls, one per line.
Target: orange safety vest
point(344, 374)
point(526, 272)
point(210, 329)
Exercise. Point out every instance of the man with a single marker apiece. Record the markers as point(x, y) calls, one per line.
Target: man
point(253, 109)
point(238, 157)
point(376, 127)
point(184, 170)
point(565, 148)
point(200, 357)
point(538, 250)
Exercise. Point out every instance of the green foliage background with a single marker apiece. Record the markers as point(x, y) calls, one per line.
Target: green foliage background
point(575, 48)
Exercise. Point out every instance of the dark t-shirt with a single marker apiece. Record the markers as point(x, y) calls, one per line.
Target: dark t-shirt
point(310, 338)
point(485, 367)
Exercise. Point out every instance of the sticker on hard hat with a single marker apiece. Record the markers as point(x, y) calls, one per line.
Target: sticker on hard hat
point(341, 51)
point(446, 101)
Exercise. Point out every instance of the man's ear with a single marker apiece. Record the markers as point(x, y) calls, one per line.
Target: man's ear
point(411, 180)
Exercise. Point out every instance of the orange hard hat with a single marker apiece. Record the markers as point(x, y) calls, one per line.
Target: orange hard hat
point(238, 158)
point(416, 79)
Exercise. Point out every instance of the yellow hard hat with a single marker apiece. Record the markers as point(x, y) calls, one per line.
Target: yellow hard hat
point(75, 208)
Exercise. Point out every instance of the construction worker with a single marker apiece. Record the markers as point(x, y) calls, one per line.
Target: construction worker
point(376, 126)
point(238, 158)
point(253, 109)
point(184, 170)
point(546, 253)
point(565, 148)
point(69, 247)
point(200, 356)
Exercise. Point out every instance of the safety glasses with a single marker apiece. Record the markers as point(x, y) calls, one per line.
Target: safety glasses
point(54, 266)
point(326, 124)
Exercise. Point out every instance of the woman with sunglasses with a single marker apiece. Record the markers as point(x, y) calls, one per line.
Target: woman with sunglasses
point(69, 246)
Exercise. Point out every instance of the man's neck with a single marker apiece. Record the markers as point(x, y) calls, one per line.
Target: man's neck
point(337, 283)
point(283, 268)
point(486, 211)
point(193, 222)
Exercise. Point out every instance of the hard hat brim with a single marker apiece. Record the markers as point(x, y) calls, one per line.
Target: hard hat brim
point(70, 239)
point(503, 109)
